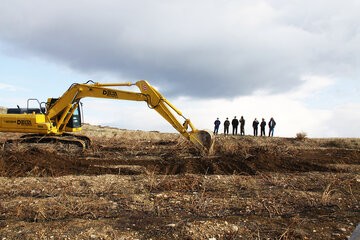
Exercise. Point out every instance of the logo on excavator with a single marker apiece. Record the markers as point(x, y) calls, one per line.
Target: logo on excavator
point(144, 87)
point(110, 93)
point(24, 122)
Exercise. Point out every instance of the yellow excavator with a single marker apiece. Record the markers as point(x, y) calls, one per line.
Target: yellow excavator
point(53, 120)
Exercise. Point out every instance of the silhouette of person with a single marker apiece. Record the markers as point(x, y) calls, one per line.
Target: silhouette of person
point(255, 126)
point(262, 127)
point(272, 124)
point(217, 124)
point(242, 126)
point(235, 124)
point(226, 126)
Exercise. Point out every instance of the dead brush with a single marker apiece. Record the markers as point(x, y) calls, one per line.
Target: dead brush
point(198, 201)
point(65, 206)
point(327, 196)
point(301, 136)
point(23, 211)
point(245, 182)
point(273, 179)
point(184, 184)
point(230, 148)
point(10, 166)
point(348, 189)
point(95, 146)
point(288, 232)
point(152, 182)
point(184, 146)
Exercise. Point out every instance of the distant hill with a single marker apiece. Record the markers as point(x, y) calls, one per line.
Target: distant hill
point(3, 110)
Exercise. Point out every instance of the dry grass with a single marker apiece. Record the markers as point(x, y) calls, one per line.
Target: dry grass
point(115, 133)
point(175, 198)
point(252, 188)
point(327, 195)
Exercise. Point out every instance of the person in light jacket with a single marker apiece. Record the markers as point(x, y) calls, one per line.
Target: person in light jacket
point(272, 125)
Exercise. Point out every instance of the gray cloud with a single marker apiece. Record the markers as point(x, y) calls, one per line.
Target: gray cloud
point(195, 48)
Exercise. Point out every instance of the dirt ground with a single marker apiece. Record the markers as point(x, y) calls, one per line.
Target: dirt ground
point(151, 185)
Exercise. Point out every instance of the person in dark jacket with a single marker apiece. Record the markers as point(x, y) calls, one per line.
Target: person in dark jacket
point(262, 127)
point(242, 126)
point(272, 124)
point(255, 126)
point(217, 125)
point(235, 124)
point(226, 126)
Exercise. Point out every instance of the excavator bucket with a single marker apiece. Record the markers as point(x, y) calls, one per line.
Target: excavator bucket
point(203, 140)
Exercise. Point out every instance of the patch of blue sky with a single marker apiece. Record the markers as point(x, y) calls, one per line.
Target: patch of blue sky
point(336, 95)
point(29, 77)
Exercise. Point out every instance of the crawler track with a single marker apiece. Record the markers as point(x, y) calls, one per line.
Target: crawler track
point(64, 141)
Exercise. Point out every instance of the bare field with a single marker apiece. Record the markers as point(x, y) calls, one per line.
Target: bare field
point(150, 185)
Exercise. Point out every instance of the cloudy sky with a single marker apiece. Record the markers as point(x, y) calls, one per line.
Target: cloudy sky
point(297, 61)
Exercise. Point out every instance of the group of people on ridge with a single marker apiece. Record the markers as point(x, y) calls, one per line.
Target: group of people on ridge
point(235, 123)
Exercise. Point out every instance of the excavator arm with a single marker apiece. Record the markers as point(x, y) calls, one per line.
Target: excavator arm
point(61, 111)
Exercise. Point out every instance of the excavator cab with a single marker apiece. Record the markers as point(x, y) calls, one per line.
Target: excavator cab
point(75, 122)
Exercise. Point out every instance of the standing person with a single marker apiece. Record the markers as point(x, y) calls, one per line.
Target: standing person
point(226, 126)
point(262, 127)
point(255, 126)
point(272, 124)
point(235, 124)
point(217, 124)
point(242, 125)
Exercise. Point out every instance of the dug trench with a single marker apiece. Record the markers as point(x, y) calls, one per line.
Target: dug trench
point(161, 158)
